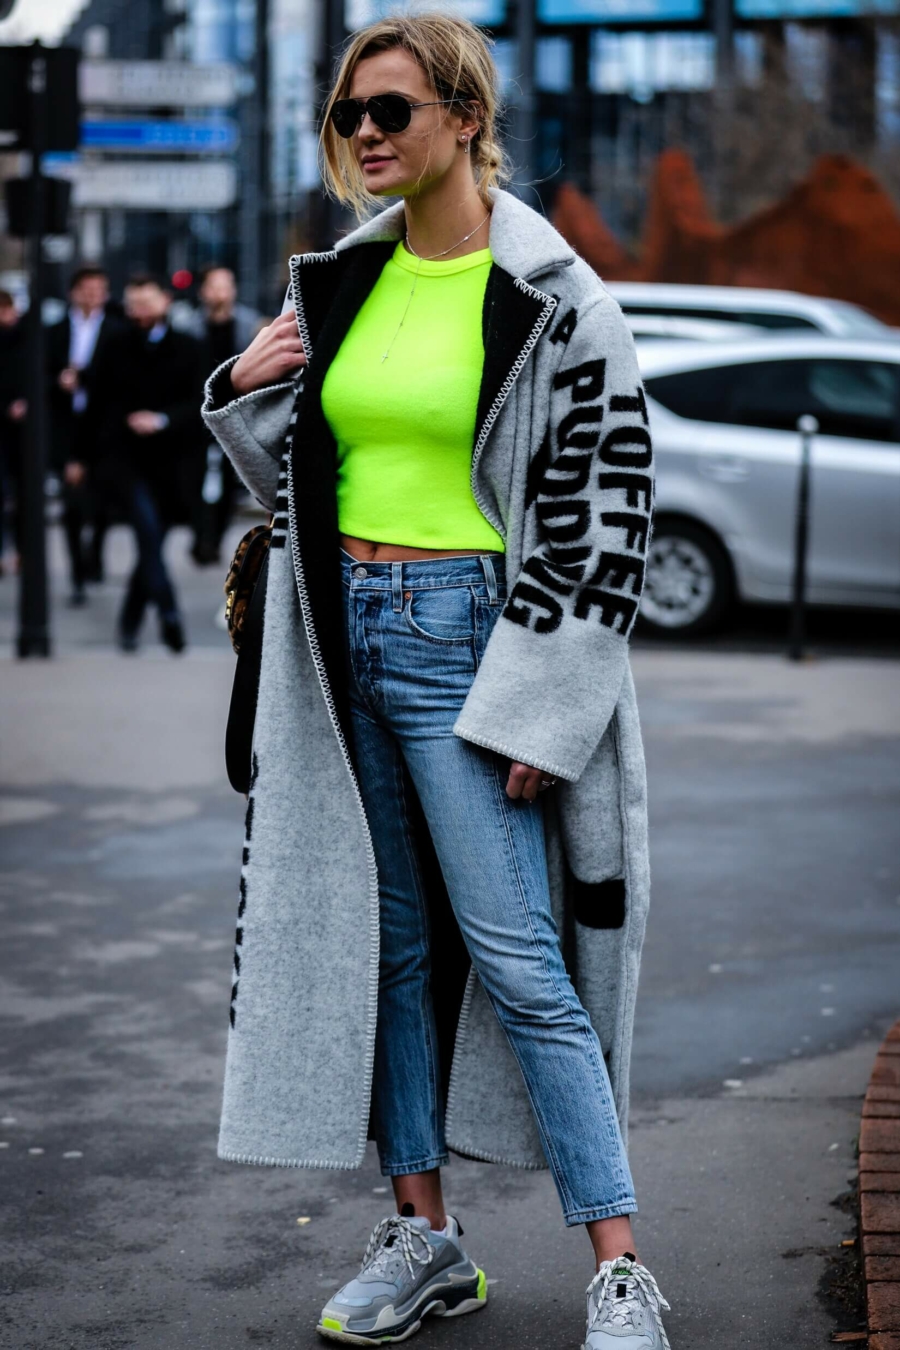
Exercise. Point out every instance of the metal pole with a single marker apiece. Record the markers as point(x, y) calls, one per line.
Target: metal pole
point(264, 258)
point(723, 28)
point(807, 427)
point(525, 122)
point(325, 215)
point(34, 634)
point(255, 209)
point(724, 127)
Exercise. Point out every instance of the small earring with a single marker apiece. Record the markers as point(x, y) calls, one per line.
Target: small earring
point(465, 141)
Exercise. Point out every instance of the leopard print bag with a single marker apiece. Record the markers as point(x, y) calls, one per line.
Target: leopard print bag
point(243, 575)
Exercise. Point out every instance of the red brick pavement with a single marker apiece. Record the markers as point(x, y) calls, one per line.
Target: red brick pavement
point(879, 1187)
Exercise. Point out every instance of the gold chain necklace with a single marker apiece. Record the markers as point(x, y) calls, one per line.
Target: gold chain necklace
point(431, 257)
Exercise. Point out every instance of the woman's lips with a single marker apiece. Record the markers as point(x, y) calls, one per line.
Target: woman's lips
point(377, 163)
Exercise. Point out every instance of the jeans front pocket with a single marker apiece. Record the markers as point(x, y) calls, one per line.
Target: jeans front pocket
point(486, 615)
point(442, 613)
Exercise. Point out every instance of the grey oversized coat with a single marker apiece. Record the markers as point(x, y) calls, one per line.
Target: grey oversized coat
point(562, 469)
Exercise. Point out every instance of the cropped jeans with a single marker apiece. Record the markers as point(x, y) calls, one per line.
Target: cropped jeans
point(416, 632)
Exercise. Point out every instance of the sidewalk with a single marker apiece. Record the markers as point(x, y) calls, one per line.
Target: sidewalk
point(879, 1184)
point(768, 982)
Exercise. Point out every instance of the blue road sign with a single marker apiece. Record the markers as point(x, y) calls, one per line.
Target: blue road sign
point(815, 9)
point(619, 11)
point(210, 136)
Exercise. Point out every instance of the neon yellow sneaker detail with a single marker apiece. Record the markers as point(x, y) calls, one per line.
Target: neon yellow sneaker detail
point(407, 1272)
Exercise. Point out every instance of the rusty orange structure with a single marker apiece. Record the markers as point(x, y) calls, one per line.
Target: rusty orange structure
point(837, 233)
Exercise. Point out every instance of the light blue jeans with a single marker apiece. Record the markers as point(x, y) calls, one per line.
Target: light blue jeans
point(415, 634)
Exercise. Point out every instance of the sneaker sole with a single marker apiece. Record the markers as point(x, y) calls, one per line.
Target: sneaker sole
point(451, 1303)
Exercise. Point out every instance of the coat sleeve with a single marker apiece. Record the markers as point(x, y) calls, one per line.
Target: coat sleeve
point(251, 429)
point(554, 664)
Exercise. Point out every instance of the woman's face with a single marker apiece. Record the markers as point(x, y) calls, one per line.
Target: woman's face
point(402, 163)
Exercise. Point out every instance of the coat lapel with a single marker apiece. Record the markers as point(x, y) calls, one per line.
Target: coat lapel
point(328, 291)
point(514, 316)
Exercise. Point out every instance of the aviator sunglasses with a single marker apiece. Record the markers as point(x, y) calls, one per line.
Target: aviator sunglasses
point(389, 112)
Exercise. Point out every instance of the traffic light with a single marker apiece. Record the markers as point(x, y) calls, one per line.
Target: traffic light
point(55, 202)
point(61, 106)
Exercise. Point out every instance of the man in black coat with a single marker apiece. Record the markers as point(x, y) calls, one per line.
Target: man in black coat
point(146, 392)
point(74, 346)
point(225, 328)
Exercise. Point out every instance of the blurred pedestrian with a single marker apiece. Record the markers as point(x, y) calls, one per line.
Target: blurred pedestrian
point(74, 346)
point(13, 410)
point(225, 328)
point(462, 488)
point(144, 402)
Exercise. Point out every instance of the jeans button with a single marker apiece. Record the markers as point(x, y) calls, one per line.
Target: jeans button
point(360, 572)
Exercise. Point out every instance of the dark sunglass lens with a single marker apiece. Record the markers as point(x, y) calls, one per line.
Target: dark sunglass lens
point(390, 112)
point(345, 117)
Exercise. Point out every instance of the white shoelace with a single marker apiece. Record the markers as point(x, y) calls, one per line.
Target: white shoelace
point(378, 1254)
point(639, 1282)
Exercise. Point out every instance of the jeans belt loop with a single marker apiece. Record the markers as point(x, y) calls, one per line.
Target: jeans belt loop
point(487, 567)
point(397, 585)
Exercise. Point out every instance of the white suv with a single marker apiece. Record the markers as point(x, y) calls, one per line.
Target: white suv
point(724, 421)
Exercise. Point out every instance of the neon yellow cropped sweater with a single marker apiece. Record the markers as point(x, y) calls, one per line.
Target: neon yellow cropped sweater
point(405, 426)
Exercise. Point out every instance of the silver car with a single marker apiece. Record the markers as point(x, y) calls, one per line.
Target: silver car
point(724, 421)
point(745, 307)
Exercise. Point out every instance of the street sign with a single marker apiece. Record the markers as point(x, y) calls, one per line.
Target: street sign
point(619, 11)
point(209, 136)
point(488, 13)
point(161, 186)
point(816, 9)
point(158, 84)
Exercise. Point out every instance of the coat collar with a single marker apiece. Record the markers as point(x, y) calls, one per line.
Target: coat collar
point(522, 242)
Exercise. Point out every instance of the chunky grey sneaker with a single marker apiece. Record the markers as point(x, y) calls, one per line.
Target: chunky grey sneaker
point(407, 1271)
point(623, 1308)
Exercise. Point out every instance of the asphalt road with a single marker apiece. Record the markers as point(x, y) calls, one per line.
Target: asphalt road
point(770, 972)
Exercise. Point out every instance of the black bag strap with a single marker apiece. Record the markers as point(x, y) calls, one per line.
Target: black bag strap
point(245, 690)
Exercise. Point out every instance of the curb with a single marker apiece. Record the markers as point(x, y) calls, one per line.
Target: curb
point(879, 1191)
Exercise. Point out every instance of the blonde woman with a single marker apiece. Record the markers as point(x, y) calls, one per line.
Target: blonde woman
point(446, 820)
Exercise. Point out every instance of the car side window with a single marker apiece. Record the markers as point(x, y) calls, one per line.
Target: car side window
point(848, 397)
point(704, 395)
point(771, 394)
point(856, 398)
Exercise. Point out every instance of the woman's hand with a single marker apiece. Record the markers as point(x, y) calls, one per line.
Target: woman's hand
point(527, 782)
point(274, 355)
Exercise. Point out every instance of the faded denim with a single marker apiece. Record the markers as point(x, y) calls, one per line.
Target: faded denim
point(416, 632)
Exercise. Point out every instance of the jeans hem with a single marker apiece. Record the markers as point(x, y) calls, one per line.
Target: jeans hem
point(614, 1211)
point(408, 1169)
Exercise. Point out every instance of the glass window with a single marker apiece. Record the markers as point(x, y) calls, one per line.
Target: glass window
point(855, 398)
point(771, 394)
point(849, 398)
point(553, 64)
point(704, 395)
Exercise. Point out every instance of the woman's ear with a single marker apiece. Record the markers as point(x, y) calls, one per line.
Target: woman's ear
point(471, 119)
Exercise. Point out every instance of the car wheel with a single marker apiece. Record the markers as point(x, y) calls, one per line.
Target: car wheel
point(688, 583)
